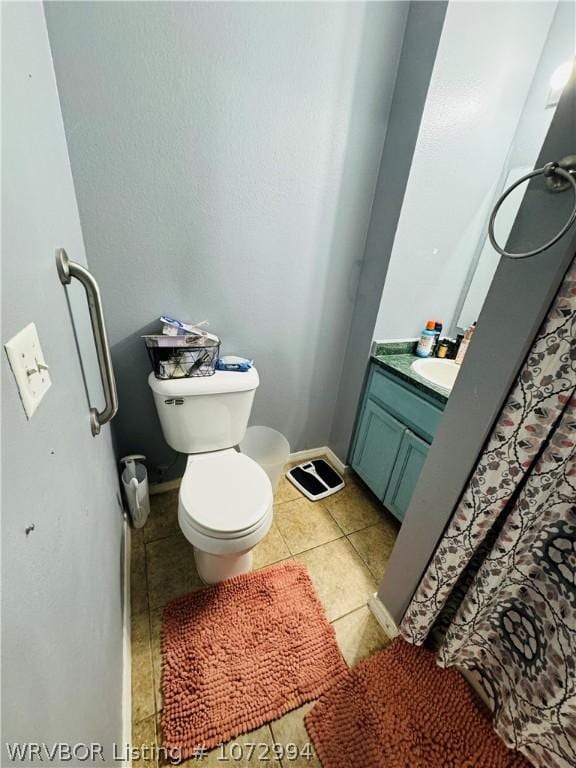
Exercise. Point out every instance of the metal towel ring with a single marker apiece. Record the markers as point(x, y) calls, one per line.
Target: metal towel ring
point(554, 173)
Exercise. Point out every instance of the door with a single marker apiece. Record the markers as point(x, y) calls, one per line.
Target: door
point(377, 443)
point(62, 524)
point(409, 463)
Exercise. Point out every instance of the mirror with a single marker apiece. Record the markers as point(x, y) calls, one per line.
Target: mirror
point(482, 128)
point(551, 75)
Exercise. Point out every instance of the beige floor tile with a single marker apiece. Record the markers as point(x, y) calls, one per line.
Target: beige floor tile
point(286, 491)
point(156, 646)
point(353, 508)
point(171, 569)
point(238, 751)
point(375, 544)
point(290, 730)
point(138, 581)
point(163, 519)
point(342, 580)
point(136, 537)
point(252, 750)
point(305, 524)
point(271, 549)
point(144, 740)
point(359, 635)
point(143, 704)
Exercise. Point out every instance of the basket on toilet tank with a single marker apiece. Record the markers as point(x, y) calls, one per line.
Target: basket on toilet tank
point(180, 357)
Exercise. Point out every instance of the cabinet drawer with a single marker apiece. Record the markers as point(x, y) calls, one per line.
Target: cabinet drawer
point(421, 416)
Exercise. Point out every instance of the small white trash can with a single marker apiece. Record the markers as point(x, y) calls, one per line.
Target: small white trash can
point(135, 484)
point(269, 448)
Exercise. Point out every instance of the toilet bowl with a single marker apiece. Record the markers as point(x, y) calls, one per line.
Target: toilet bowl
point(224, 510)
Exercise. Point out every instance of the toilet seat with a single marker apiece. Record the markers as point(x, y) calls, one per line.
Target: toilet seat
point(224, 495)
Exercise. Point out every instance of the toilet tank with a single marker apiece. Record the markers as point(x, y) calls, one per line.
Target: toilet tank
point(205, 413)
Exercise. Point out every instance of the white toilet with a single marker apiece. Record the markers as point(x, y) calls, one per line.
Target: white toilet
point(225, 500)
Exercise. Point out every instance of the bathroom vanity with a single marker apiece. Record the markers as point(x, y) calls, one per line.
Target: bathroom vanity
point(397, 419)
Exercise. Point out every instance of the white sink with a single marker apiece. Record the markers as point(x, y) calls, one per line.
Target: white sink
point(441, 373)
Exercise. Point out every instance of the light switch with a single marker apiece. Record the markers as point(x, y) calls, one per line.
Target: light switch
point(29, 367)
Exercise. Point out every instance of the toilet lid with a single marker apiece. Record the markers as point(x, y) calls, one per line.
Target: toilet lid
point(225, 493)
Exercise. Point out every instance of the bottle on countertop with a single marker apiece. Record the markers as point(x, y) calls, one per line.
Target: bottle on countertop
point(437, 334)
point(443, 349)
point(427, 339)
point(463, 348)
point(455, 346)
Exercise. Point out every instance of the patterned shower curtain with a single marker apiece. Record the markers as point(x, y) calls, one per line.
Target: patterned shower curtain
point(501, 587)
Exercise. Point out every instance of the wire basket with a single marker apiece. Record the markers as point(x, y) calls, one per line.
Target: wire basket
point(180, 357)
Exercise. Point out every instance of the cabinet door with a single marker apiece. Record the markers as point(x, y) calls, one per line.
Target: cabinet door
point(378, 439)
point(409, 463)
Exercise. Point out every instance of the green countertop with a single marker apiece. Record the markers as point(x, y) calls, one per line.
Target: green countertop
point(397, 358)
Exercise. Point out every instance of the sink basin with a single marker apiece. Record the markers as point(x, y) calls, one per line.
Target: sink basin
point(441, 373)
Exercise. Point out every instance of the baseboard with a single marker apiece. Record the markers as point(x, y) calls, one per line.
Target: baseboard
point(317, 453)
point(383, 616)
point(474, 683)
point(126, 647)
point(169, 485)
point(298, 456)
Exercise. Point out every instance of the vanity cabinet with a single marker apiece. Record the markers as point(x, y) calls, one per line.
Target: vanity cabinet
point(378, 441)
point(396, 425)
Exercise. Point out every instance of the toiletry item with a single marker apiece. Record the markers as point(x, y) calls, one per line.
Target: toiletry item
point(437, 334)
point(443, 349)
point(202, 360)
point(234, 363)
point(427, 338)
point(455, 346)
point(463, 348)
point(173, 327)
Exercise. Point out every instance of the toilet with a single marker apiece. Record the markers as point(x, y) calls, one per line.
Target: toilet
point(225, 500)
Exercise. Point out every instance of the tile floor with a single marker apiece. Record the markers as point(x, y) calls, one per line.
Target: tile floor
point(345, 541)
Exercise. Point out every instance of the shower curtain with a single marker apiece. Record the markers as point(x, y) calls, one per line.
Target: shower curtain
point(500, 591)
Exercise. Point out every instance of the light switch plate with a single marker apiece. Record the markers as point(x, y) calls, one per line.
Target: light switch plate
point(29, 367)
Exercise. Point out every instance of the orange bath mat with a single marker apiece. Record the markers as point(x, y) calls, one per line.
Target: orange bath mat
point(398, 709)
point(243, 653)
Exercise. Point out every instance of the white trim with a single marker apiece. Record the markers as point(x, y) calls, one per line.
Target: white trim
point(299, 456)
point(383, 616)
point(169, 485)
point(126, 647)
point(474, 683)
point(317, 453)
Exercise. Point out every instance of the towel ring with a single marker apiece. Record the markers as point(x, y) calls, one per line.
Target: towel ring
point(559, 177)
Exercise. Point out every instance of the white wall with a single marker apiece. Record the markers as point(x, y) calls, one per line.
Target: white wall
point(225, 157)
point(485, 64)
point(62, 583)
point(530, 133)
point(560, 46)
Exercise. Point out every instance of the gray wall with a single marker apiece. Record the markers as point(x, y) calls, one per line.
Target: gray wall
point(225, 157)
point(61, 585)
point(423, 29)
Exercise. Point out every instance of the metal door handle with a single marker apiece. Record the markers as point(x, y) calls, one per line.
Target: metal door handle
point(66, 271)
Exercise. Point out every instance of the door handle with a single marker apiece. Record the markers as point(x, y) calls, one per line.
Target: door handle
point(66, 271)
